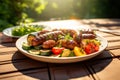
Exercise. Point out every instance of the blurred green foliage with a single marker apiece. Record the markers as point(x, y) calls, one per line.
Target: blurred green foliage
point(12, 12)
point(81, 9)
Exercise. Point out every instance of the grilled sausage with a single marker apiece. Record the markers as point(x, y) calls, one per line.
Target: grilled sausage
point(67, 31)
point(43, 32)
point(87, 31)
point(67, 43)
point(88, 36)
point(48, 44)
point(53, 35)
point(84, 35)
point(39, 39)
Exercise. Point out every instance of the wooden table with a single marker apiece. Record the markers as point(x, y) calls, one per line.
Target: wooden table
point(106, 66)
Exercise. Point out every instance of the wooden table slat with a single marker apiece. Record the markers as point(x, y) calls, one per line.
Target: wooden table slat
point(8, 44)
point(106, 69)
point(115, 52)
point(38, 74)
point(113, 45)
point(7, 49)
point(73, 72)
point(11, 56)
point(19, 65)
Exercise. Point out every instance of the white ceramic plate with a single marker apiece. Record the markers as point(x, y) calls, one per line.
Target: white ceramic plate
point(8, 32)
point(60, 59)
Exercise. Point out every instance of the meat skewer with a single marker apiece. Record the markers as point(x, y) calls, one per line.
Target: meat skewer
point(46, 37)
point(39, 39)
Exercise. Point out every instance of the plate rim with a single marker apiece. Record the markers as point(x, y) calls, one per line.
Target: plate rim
point(10, 31)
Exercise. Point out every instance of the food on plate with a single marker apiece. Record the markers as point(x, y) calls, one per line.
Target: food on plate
point(48, 44)
point(62, 42)
point(26, 29)
point(79, 51)
point(39, 39)
point(70, 44)
point(66, 53)
point(57, 50)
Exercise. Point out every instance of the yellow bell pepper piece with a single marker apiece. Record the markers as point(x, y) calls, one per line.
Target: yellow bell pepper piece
point(79, 51)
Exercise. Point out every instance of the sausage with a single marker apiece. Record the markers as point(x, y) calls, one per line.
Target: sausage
point(36, 42)
point(43, 32)
point(78, 38)
point(39, 39)
point(67, 43)
point(53, 35)
point(48, 44)
point(88, 36)
point(67, 31)
point(87, 31)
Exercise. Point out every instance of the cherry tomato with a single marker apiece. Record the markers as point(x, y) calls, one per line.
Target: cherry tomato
point(91, 47)
point(88, 49)
point(96, 48)
point(57, 50)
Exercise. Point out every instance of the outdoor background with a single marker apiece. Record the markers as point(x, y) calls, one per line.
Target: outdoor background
point(12, 12)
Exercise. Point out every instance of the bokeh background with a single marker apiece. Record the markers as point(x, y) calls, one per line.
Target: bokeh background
point(13, 12)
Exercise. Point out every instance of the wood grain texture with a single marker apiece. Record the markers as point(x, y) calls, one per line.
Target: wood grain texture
point(106, 69)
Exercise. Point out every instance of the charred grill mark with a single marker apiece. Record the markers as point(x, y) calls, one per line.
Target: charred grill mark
point(47, 36)
point(67, 31)
point(88, 36)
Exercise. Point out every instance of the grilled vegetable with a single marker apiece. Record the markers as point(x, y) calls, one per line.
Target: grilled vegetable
point(79, 51)
point(57, 50)
point(34, 51)
point(25, 46)
point(45, 52)
point(90, 46)
point(38, 47)
point(65, 53)
point(30, 38)
point(71, 54)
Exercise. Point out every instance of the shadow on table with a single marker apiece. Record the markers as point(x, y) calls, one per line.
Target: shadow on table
point(100, 62)
point(108, 23)
point(43, 71)
point(29, 68)
point(81, 69)
point(8, 41)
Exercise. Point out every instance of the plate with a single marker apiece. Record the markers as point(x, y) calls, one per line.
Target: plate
point(8, 32)
point(52, 59)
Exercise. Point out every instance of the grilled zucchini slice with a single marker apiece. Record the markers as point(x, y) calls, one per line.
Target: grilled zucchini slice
point(45, 52)
point(30, 38)
point(34, 51)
